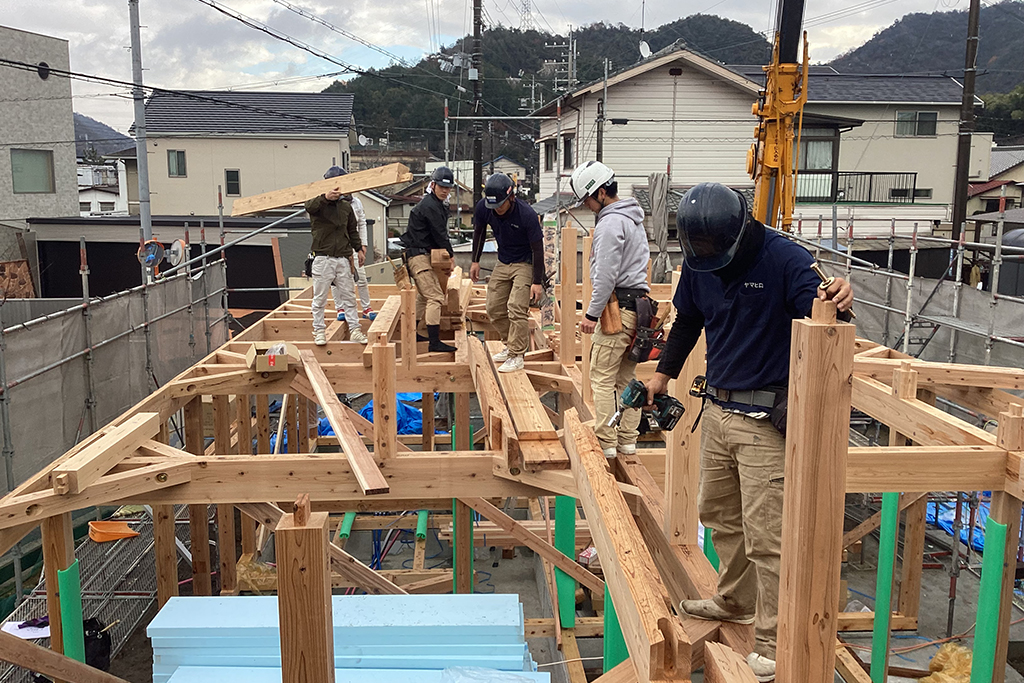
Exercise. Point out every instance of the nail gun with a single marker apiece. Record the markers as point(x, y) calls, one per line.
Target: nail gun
point(664, 415)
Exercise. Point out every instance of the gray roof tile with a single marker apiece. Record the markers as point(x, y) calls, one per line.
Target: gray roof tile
point(285, 113)
point(1005, 158)
point(827, 85)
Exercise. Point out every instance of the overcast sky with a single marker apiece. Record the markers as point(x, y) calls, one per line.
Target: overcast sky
point(190, 45)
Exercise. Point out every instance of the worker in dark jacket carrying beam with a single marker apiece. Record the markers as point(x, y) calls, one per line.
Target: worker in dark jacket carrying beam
point(428, 230)
point(744, 285)
point(518, 276)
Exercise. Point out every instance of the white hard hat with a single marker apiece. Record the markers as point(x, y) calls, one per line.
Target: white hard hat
point(588, 178)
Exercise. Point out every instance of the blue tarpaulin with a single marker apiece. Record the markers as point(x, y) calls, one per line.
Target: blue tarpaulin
point(947, 511)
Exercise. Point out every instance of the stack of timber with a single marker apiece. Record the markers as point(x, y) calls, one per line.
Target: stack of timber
point(413, 634)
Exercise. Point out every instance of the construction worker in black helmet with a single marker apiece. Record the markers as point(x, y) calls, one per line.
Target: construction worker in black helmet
point(518, 276)
point(428, 230)
point(743, 285)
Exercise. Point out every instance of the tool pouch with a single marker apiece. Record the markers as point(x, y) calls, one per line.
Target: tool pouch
point(611, 318)
point(309, 265)
point(648, 341)
point(780, 411)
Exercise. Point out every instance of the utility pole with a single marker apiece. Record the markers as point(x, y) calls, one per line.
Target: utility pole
point(602, 114)
point(963, 149)
point(139, 95)
point(476, 75)
point(446, 131)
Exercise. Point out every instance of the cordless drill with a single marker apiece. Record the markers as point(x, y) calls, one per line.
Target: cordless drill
point(663, 417)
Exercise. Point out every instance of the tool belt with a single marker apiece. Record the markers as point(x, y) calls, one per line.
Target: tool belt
point(628, 297)
point(774, 399)
point(649, 336)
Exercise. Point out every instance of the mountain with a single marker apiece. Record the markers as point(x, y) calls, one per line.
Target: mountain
point(935, 43)
point(92, 134)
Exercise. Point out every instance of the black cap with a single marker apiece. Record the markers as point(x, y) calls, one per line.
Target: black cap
point(497, 189)
point(711, 220)
point(334, 172)
point(443, 176)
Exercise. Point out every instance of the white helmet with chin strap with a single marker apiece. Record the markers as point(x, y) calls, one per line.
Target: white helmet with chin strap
point(588, 178)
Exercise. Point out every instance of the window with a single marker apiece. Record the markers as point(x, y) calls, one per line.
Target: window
point(32, 171)
point(84, 207)
point(923, 193)
point(567, 153)
point(549, 155)
point(916, 123)
point(176, 163)
point(232, 182)
point(816, 154)
point(106, 206)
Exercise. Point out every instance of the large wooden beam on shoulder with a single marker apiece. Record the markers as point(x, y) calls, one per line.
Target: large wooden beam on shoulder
point(392, 174)
point(365, 468)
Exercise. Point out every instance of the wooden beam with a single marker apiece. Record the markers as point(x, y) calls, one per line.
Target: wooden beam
point(925, 468)
point(821, 364)
point(461, 428)
point(384, 324)
point(198, 515)
point(368, 431)
point(385, 402)
point(587, 392)
point(304, 597)
point(225, 513)
point(658, 646)
point(573, 661)
point(623, 673)
point(567, 338)
point(524, 406)
point(32, 657)
point(954, 374)
point(367, 473)
point(463, 550)
point(392, 174)
point(546, 381)
point(89, 464)
point(848, 666)
point(166, 551)
point(535, 543)
point(58, 540)
point(682, 453)
point(875, 520)
point(724, 665)
point(427, 404)
point(408, 301)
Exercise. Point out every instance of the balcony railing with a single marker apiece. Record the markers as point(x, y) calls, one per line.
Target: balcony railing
point(847, 187)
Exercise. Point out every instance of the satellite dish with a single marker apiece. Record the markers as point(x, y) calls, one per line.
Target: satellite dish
point(363, 140)
point(151, 254)
point(175, 254)
point(645, 49)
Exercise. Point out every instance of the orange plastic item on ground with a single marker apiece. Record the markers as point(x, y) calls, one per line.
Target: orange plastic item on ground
point(104, 532)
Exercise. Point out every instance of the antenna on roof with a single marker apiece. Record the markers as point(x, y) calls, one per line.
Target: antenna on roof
point(645, 49)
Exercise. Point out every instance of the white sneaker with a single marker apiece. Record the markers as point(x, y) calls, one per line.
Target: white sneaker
point(627, 448)
point(763, 668)
point(501, 356)
point(512, 364)
point(610, 452)
point(320, 337)
point(356, 335)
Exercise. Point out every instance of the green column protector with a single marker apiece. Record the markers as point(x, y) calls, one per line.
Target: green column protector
point(421, 524)
point(455, 555)
point(883, 586)
point(565, 543)
point(346, 524)
point(989, 596)
point(615, 651)
point(70, 583)
point(709, 549)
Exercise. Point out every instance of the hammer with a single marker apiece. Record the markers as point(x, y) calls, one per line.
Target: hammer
point(826, 282)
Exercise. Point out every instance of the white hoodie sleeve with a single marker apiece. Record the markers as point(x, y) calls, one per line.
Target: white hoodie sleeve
point(357, 209)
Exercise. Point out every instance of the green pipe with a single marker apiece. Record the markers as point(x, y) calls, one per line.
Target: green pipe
point(565, 543)
point(69, 582)
point(989, 598)
point(346, 524)
point(615, 651)
point(883, 587)
point(709, 549)
point(421, 524)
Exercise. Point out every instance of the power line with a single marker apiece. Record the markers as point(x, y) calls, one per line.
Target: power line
point(323, 22)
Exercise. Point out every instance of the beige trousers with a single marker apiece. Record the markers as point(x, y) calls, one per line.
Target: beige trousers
point(742, 468)
point(610, 372)
point(508, 304)
point(429, 297)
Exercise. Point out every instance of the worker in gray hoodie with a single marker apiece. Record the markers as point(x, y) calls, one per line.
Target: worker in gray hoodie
point(618, 272)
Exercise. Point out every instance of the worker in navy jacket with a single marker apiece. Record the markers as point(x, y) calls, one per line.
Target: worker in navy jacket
point(743, 285)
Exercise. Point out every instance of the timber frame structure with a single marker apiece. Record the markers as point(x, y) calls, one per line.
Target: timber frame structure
point(640, 511)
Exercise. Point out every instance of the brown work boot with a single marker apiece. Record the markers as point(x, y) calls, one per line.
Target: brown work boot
point(710, 610)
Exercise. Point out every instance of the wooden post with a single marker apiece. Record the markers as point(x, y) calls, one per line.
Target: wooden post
point(225, 513)
point(304, 596)
point(682, 453)
point(1006, 509)
point(915, 527)
point(198, 515)
point(58, 541)
point(462, 524)
point(567, 338)
point(428, 420)
point(461, 429)
point(243, 404)
point(293, 424)
point(302, 405)
point(262, 424)
point(821, 369)
point(385, 402)
point(588, 342)
point(166, 552)
point(408, 329)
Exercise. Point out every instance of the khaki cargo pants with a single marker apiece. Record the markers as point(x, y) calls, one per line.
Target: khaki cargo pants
point(429, 297)
point(508, 304)
point(742, 468)
point(610, 372)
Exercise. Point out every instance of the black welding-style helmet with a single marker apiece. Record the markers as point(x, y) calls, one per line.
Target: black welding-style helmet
point(710, 221)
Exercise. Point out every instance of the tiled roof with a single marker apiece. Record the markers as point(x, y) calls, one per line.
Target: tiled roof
point(675, 194)
point(1005, 158)
point(979, 188)
point(282, 113)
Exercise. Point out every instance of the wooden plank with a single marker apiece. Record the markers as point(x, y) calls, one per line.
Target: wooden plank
point(724, 665)
point(463, 550)
point(384, 324)
point(408, 322)
point(497, 421)
point(865, 621)
point(524, 406)
point(567, 338)
point(164, 547)
point(32, 657)
point(658, 646)
point(461, 429)
point(682, 453)
point(535, 543)
point(304, 598)
point(848, 666)
point(546, 381)
point(587, 391)
point(875, 520)
point(913, 555)
point(89, 464)
point(366, 428)
point(571, 653)
point(225, 513)
point(955, 374)
point(263, 424)
point(58, 541)
point(821, 363)
point(198, 519)
point(925, 468)
point(392, 174)
point(427, 404)
point(367, 473)
point(385, 402)
point(544, 627)
point(623, 673)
